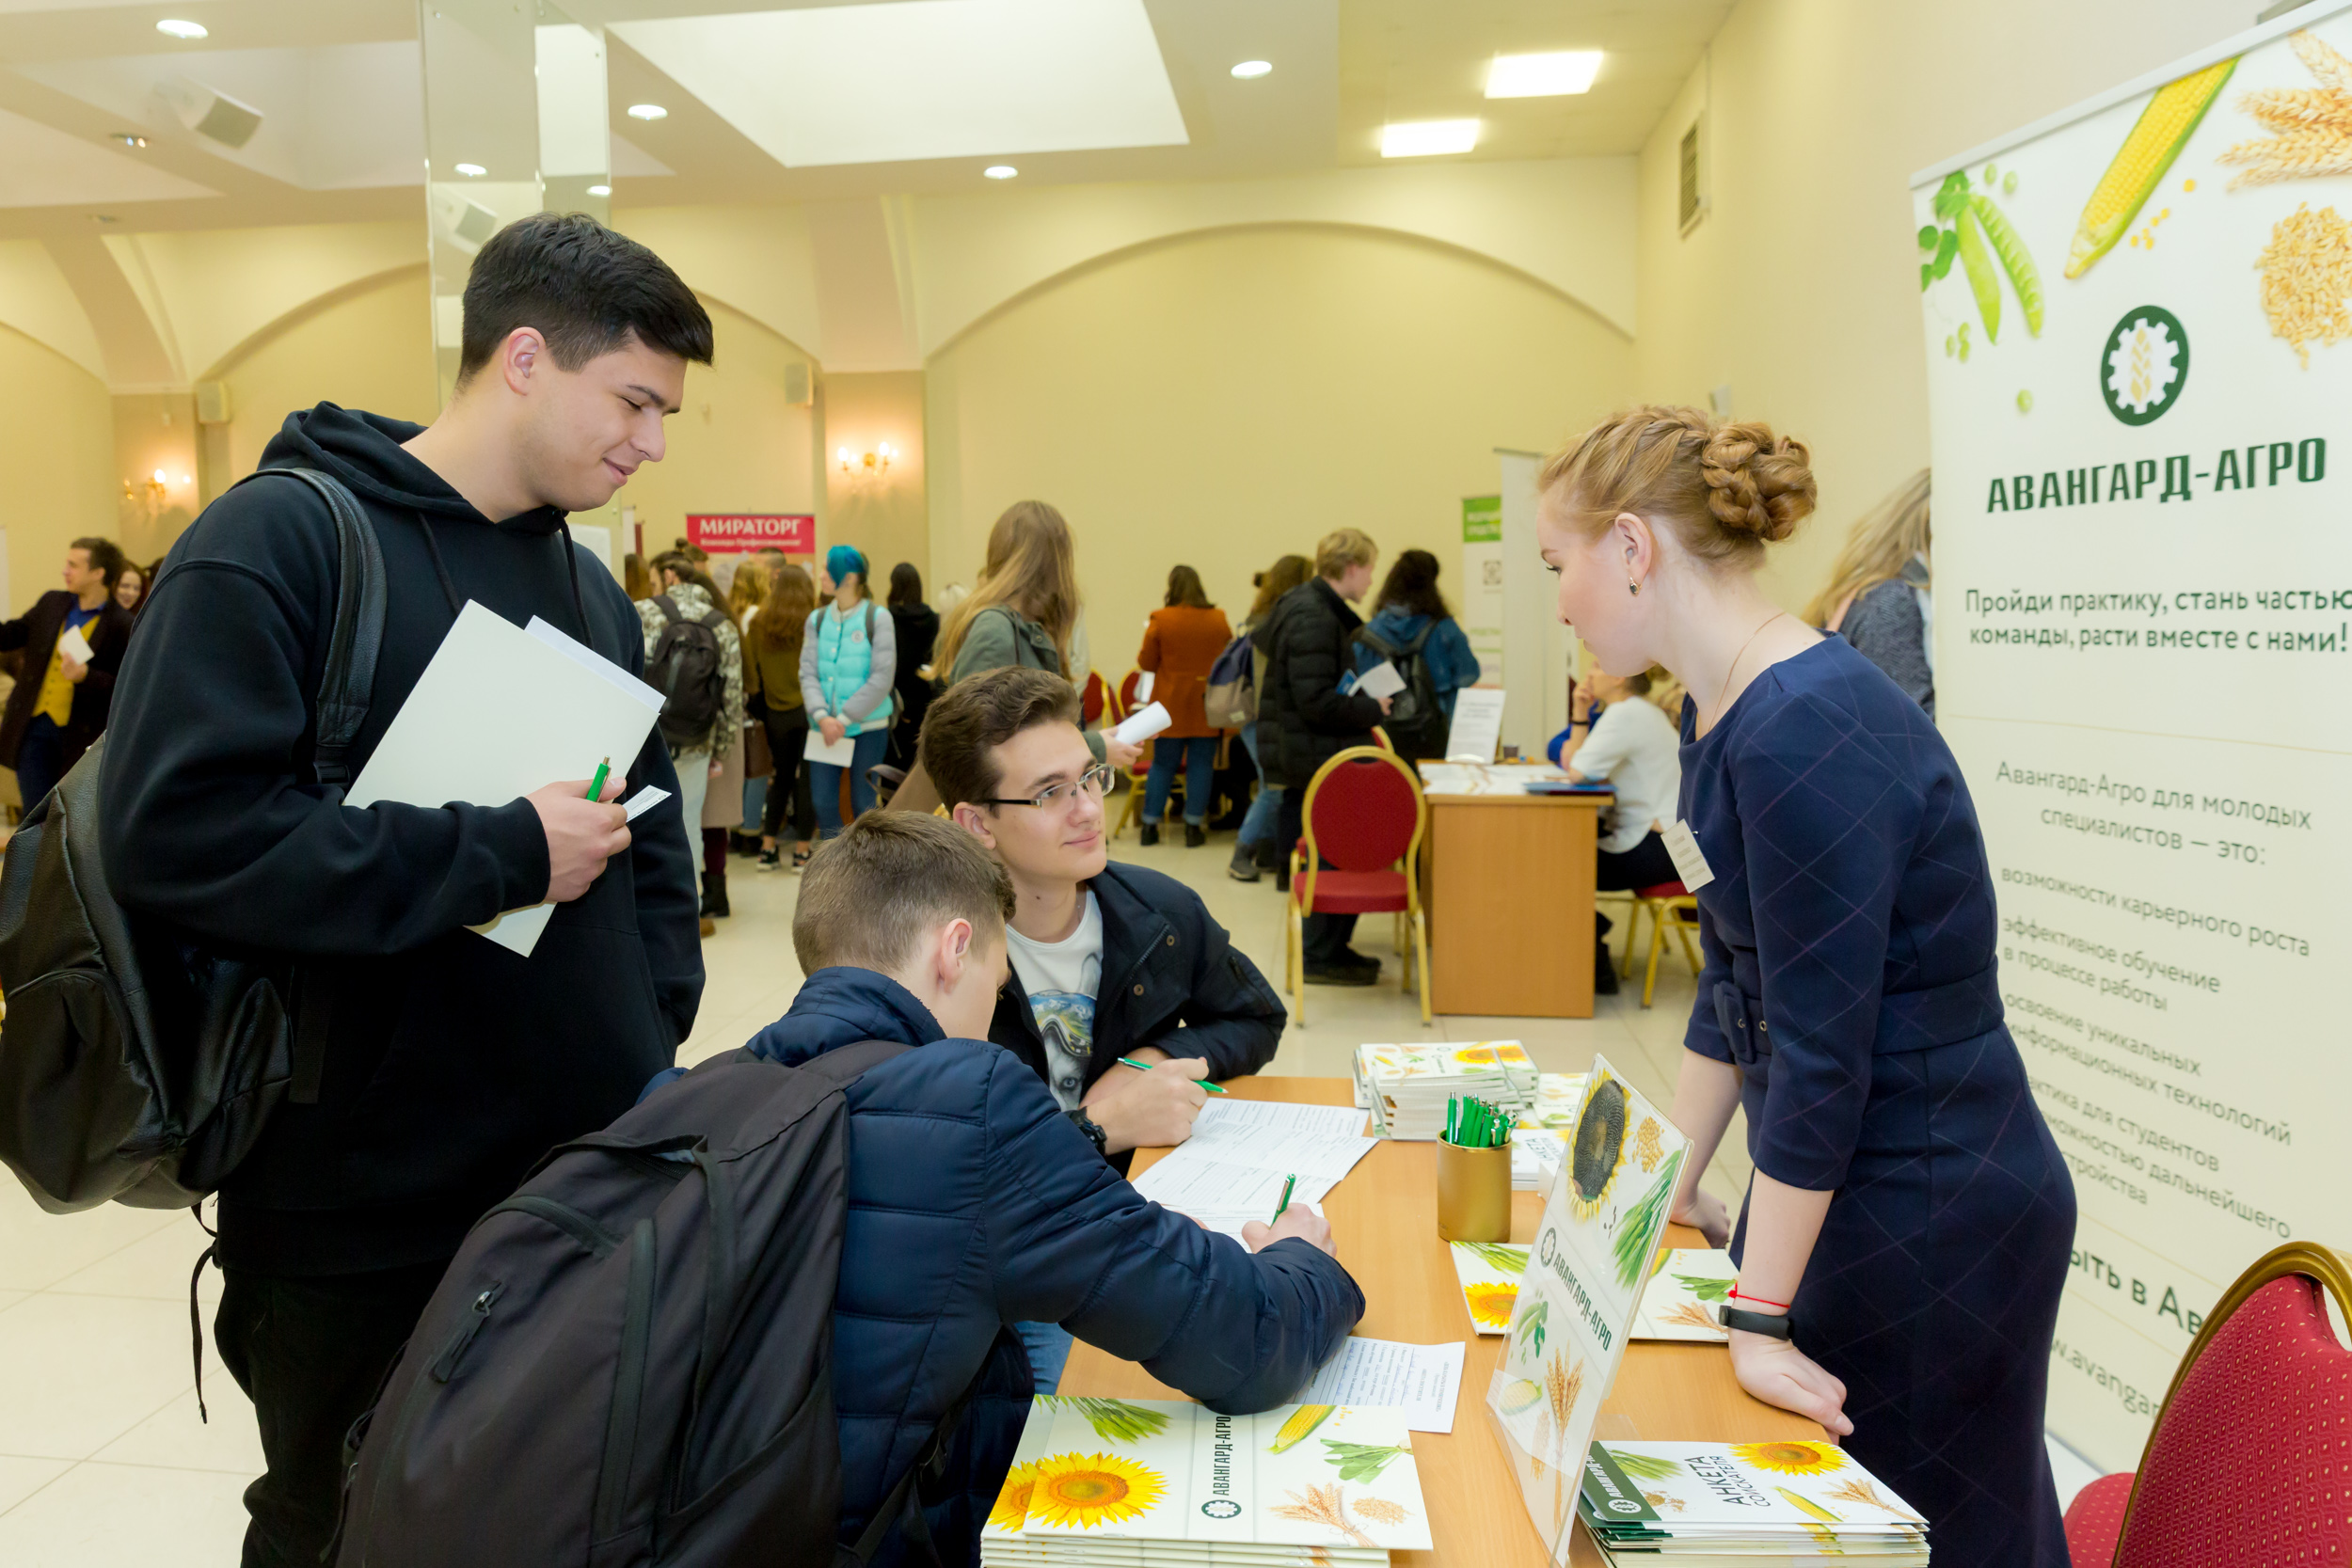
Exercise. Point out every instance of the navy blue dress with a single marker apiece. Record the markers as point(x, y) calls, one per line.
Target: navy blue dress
point(1850, 937)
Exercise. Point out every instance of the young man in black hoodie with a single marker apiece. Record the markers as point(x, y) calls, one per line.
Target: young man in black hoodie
point(450, 1064)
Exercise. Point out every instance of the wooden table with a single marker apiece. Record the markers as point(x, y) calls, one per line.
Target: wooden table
point(1384, 1217)
point(1508, 884)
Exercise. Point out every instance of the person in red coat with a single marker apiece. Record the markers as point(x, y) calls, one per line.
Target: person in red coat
point(59, 705)
point(1180, 647)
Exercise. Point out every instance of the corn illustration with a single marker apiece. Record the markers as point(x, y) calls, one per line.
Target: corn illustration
point(1303, 1421)
point(2163, 129)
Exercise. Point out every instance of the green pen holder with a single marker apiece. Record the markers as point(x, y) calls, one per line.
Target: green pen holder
point(1473, 1192)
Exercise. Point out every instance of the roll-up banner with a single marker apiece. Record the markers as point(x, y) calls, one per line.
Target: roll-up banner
point(2133, 317)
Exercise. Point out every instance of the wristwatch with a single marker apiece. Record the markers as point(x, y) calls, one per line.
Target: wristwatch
point(1754, 1322)
point(1093, 1129)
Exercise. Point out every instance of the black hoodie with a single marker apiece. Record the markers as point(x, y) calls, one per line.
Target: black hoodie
point(451, 1064)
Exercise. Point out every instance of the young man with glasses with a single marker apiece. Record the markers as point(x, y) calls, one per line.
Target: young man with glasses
point(1108, 961)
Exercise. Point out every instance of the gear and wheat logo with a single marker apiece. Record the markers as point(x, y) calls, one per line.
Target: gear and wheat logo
point(2145, 364)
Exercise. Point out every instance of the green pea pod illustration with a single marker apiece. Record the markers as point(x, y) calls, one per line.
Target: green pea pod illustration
point(2011, 247)
point(1983, 282)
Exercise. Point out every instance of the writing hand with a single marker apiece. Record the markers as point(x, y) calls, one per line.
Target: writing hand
point(1152, 1109)
point(582, 834)
point(1297, 1220)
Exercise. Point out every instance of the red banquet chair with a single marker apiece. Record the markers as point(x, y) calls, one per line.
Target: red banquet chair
point(2248, 1460)
point(1364, 812)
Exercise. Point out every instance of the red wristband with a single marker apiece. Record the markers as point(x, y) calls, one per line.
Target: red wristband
point(1738, 1294)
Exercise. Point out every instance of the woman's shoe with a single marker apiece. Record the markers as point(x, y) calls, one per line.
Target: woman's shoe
point(800, 856)
point(1150, 834)
point(710, 926)
point(771, 858)
point(1195, 835)
point(715, 893)
point(1244, 866)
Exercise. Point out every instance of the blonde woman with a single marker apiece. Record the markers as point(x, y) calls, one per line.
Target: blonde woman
point(1877, 596)
point(1906, 1236)
point(1022, 611)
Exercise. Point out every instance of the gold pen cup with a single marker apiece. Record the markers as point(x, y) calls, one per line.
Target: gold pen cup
point(1473, 1192)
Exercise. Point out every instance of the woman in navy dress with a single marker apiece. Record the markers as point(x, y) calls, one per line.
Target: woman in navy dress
point(1910, 1218)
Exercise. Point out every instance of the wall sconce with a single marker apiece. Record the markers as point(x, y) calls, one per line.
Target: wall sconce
point(155, 491)
point(875, 462)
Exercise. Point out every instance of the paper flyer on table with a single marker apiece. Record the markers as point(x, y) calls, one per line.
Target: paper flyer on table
point(1419, 1380)
point(1580, 1294)
point(498, 713)
point(1684, 1291)
point(1477, 726)
point(1242, 1151)
point(1489, 1272)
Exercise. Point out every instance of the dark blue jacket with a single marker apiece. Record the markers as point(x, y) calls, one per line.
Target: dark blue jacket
point(974, 1204)
point(1452, 664)
point(1171, 978)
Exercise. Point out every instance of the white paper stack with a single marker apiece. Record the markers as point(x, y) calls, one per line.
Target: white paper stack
point(1535, 1159)
point(1407, 1086)
point(1112, 1483)
point(499, 712)
point(1232, 1170)
point(1559, 1096)
point(1755, 1504)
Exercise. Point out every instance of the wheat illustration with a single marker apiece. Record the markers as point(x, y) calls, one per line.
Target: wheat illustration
point(2140, 366)
point(1381, 1510)
point(1857, 1489)
point(2313, 125)
point(1326, 1506)
point(1685, 1314)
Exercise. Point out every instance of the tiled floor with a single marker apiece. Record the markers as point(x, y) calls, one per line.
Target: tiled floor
point(102, 1461)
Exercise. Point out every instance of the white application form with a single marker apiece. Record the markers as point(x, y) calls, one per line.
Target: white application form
point(1421, 1380)
point(1241, 1153)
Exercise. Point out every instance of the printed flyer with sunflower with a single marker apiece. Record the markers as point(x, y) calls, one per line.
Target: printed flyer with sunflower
point(1769, 1501)
point(1336, 1482)
point(1581, 1292)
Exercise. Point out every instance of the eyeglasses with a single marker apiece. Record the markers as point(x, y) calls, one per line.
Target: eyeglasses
point(1095, 780)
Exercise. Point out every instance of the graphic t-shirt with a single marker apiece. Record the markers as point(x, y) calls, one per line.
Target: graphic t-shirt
point(1062, 978)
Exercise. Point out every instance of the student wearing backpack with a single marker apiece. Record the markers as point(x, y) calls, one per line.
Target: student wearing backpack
point(448, 1063)
point(1260, 824)
point(1108, 961)
point(977, 1203)
point(694, 655)
point(1412, 628)
point(849, 657)
point(1181, 644)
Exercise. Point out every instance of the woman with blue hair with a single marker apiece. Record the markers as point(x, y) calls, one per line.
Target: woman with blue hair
point(849, 657)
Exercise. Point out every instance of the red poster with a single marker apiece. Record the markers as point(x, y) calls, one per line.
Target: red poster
point(730, 532)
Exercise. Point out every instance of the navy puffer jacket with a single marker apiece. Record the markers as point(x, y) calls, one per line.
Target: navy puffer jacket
point(975, 1203)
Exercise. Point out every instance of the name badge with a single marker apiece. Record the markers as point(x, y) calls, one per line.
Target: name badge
point(1684, 847)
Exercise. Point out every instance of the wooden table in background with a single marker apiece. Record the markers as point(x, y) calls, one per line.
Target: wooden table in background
point(1384, 1218)
point(1508, 884)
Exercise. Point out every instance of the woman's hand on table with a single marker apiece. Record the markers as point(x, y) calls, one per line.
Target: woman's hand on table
point(1780, 1374)
point(1297, 1220)
point(1706, 1214)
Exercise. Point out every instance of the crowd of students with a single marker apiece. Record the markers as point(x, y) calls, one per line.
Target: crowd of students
point(1066, 1007)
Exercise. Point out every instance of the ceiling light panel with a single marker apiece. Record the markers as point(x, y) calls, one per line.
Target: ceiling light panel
point(1429, 138)
point(1552, 76)
point(1249, 71)
point(186, 30)
point(923, 78)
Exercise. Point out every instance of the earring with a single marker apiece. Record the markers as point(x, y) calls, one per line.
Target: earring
point(1632, 587)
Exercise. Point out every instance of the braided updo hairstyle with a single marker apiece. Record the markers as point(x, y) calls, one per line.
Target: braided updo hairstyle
point(1725, 490)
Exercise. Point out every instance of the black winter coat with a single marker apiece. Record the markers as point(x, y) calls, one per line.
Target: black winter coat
point(1306, 639)
point(1171, 978)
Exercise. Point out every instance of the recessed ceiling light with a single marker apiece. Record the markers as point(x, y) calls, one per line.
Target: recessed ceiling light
point(1429, 138)
point(471, 171)
point(1249, 70)
point(647, 111)
point(1552, 75)
point(1000, 171)
point(126, 140)
point(180, 29)
point(600, 190)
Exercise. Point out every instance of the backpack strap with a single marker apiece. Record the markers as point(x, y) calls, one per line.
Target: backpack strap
point(903, 1506)
point(1417, 642)
point(669, 611)
point(349, 679)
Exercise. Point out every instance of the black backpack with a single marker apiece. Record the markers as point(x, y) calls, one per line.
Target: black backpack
point(631, 1360)
point(685, 668)
point(1416, 722)
point(135, 1065)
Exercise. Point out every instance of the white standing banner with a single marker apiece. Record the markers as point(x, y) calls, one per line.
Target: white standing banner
point(2143, 587)
point(1536, 649)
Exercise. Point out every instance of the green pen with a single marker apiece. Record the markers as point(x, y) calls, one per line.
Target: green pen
point(1284, 1208)
point(596, 785)
point(1146, 1067)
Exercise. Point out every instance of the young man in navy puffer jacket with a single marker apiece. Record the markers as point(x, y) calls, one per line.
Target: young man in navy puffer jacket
point(975, 1203)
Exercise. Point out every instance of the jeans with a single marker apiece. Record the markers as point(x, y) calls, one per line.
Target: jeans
point(1326, 936)
point(1197, 752)
point(693, 792)
point(1048, 1345)
point(310, 1354)
point(788, 791)
point(755, 803)
point(39, 760)
point(824, 783)
point(1266, 812)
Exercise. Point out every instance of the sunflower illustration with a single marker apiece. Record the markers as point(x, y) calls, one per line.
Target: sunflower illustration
point(1087, 1490)
point(1490, 1304)
point(1596, 1151)
point(1012, 1501)
point(1791, 1457)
